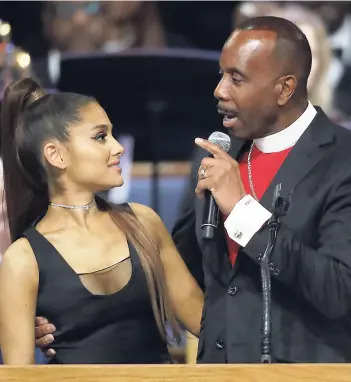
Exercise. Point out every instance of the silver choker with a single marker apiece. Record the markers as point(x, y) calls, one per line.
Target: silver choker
point(85, 206)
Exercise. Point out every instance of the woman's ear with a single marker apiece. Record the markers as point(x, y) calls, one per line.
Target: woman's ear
point(55, 153)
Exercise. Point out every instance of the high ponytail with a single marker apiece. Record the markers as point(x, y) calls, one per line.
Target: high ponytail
point(25, 200)
point(29, 117)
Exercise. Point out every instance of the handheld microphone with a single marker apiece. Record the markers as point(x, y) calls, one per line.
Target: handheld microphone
point(211, 210)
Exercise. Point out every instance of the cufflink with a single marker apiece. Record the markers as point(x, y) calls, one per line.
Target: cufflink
point(237, 234)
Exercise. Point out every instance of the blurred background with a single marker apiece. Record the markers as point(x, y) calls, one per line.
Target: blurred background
point(153, 66)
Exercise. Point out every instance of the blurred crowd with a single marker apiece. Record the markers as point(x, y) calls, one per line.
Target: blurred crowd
point(114, 26)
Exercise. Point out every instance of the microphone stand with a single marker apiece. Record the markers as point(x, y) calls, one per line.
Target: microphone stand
point(280, 208)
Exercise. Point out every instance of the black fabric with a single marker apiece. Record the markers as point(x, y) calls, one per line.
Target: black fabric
point(113, 329)
point(311, 262)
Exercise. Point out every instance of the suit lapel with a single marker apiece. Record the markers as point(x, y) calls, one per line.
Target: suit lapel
point(304, 156)
point(307, 152)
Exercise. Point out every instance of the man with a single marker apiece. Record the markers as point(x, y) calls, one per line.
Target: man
point(278, 137)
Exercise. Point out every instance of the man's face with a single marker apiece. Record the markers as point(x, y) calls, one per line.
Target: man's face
point(247, 92)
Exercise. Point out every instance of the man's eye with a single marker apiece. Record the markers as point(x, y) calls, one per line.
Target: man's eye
point(236, 80)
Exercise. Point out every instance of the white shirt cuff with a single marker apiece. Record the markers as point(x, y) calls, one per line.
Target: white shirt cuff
point(246, 218)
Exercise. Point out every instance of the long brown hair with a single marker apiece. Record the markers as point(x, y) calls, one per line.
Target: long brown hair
point(29, 116)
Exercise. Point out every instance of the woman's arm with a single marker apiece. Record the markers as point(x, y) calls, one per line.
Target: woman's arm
point(19, 278)
point(186, 296)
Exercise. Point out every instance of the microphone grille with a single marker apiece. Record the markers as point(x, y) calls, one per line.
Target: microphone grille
point(220, 139)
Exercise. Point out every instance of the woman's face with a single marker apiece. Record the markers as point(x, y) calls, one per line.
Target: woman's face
point(92, 154)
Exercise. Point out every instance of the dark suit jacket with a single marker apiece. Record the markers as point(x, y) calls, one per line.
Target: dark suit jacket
point(311, 270)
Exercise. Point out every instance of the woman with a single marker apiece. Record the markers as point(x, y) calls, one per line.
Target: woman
point(4, 231)
point(108, 278)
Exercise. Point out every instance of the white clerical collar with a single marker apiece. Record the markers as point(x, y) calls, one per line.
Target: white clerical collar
point(289, 136)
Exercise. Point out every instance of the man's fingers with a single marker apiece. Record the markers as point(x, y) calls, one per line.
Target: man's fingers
point(43, 330)
point(50, 353)
point(210, 147)
point(203, 185)
point(43, 342)
point(40, 321)
point(210, 173)
point(208, 162)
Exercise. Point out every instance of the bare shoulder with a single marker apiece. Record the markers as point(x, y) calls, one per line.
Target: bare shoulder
point(145, 213)
point(150, 220)
point(19, 256)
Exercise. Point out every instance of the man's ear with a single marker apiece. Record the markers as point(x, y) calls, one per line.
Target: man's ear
point(285, 88)
point(56, 154)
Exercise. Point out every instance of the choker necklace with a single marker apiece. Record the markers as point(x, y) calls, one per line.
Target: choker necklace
point(85, 206)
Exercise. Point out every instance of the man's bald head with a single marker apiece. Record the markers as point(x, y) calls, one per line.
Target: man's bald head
point(292, 52)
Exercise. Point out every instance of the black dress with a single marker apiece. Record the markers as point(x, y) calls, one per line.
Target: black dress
point(117, 328)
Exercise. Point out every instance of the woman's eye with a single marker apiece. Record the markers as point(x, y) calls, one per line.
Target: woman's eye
point(101, 137)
